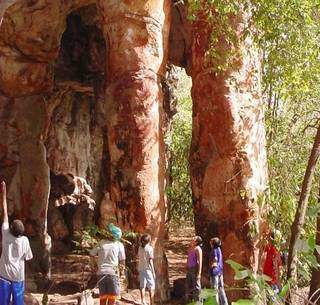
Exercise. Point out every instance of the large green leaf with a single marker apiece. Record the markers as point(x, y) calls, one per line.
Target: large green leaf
point(243, 302)
point(241, 274)
point(234, 265)
point(284, 290)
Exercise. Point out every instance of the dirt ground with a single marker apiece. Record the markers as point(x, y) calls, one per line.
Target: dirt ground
point(66, 293)
point(176, 251)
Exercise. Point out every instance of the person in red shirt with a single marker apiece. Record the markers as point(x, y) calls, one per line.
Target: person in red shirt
point(273, 264)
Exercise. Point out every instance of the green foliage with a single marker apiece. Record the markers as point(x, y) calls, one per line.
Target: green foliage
point(88, 238)
point(209, 297)
point(223, 43)
point(287, 35)
point(243, 302)
point(258, 286)
point(308, 260)
point(179, 188)
point(45, 299)
point(92, 234)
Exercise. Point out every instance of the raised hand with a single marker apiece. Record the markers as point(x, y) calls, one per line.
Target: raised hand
point(4, 201)
point(3, 189)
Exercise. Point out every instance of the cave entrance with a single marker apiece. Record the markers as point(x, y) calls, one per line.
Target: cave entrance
point(76, 138)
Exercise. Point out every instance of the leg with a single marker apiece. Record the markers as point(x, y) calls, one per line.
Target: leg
point(103, 300)
point(215, 285)
point(18, 293)
point(111, 300)
point(143, 283)
point(196, 287)
point(151, 296)
point(5, 292)
point(142, 293)
point(222, 294)
point(150, 285)
point(275, 292)
point(188, 287)
point(102, 289)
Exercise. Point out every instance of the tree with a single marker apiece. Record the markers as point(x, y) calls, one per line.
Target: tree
point(314, 292)
point(302, 207)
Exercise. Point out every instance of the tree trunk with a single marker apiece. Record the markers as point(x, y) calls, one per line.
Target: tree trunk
point(315, 279)
point(302, 207)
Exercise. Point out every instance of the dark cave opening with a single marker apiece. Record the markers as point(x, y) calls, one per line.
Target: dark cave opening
point(76, 143)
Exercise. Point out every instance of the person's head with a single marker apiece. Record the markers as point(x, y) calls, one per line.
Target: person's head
point(275, 236)
point(196, 241)
point(144, 240)
point(215, 242)
point(115, 231)
point(17, 228)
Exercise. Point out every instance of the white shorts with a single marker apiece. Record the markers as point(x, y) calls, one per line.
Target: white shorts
point(147, 280)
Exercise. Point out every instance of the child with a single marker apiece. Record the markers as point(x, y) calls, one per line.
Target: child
point(146, 269)
point(216, 270)
point(15, 251)
point(111, 255)
point(272, 264)
point(194, 267)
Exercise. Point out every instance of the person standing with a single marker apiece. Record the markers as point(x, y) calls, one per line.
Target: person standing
point(147, 274)
point(194, 268)
point(111, 261)
point(273, 263)
point(15, 251)
point(216, 270)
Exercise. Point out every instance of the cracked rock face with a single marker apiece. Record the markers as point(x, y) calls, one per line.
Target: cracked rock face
point(83, 94)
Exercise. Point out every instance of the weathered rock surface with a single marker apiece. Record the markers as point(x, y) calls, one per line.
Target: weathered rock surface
point(137, 35)
point(83, 93)
point(227, 158)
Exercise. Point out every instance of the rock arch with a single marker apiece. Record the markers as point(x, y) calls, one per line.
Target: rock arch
point(227, 158)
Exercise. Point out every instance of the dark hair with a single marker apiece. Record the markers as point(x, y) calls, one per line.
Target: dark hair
point(272, 235)
point(198, 240)
point(17, 228)
point(215, 242)
point(144, 240)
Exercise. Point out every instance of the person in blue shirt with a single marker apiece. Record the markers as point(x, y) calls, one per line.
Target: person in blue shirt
point(216, 270)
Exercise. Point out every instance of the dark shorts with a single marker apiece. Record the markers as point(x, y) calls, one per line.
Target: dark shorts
point(109, 286)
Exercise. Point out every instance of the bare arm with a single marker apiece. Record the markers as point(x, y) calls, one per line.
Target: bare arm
point(122, 267)
point(152, 267)
point(4, 202)
point(199, 259)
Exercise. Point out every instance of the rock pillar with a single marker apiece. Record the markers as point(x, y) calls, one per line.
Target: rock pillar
point(136, 33)
point(228, 155)
point(28, 43)
point(24, 167)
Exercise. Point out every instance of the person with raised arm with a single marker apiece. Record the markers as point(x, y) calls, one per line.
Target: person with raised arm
point(15, 251)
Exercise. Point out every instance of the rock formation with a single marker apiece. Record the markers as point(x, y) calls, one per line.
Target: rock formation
point(228, 157)
point(81, 94)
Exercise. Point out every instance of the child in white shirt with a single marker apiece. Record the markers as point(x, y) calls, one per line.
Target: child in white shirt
point(146, 269)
